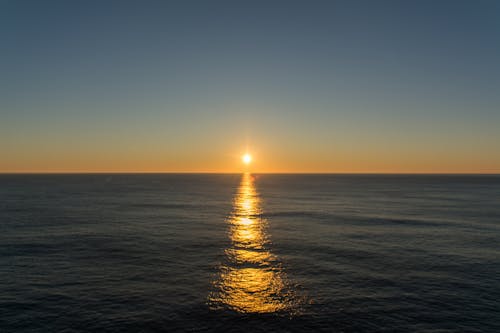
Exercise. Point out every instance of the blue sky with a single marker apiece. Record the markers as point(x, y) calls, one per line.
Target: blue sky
point(308, 86)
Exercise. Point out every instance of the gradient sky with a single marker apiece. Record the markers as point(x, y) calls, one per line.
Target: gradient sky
point(305, 86)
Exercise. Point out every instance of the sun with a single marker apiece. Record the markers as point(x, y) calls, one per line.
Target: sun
point(247, 158)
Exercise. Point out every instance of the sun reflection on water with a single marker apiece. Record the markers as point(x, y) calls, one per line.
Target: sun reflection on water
point(251, 280)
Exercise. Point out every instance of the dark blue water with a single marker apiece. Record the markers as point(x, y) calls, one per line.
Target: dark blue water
point(197, 253)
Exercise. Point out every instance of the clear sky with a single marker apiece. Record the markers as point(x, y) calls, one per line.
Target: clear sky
point(305, 86)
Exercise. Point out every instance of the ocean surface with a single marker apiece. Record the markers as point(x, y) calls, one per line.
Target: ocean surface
point(249, 253)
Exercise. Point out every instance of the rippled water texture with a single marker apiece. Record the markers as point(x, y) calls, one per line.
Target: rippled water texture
point(251, 279)
point(249, 253)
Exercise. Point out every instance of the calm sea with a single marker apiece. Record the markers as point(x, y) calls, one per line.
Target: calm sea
point(256, 253)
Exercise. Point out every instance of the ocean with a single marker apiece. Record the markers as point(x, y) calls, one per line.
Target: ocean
point(249, 253)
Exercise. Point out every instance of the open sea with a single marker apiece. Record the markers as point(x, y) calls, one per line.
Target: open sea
point(249, 253)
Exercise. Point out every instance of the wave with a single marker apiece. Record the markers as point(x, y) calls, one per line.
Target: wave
point(351, 219)
point(160, 206)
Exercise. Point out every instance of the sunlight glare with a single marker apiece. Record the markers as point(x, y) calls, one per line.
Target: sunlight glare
point(247, 158)
point(251, 281)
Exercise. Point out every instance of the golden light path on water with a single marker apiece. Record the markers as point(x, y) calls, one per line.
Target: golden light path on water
point(251, 280)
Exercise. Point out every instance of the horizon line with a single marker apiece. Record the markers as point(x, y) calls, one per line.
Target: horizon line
point(237, 173)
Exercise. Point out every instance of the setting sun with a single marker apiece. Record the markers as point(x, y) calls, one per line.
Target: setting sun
point(247, 158)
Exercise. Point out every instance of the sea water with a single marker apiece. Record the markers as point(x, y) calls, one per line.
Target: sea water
point(259, 253)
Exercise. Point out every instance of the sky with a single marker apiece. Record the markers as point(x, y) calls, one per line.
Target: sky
point(304, 86)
